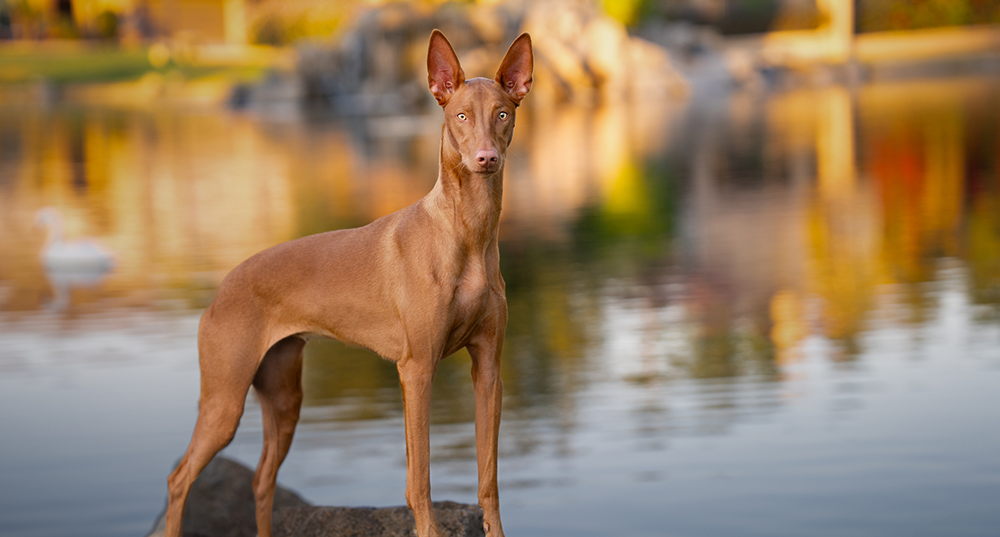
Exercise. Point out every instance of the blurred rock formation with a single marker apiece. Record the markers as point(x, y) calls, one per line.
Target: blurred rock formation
point(581, 56)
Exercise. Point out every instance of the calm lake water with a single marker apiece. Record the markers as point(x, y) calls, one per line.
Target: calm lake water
point(750, 315)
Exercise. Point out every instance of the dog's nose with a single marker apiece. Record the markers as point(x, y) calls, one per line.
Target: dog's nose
point(486, 158)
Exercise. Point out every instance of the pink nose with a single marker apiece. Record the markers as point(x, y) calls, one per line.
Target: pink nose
point(486, 158)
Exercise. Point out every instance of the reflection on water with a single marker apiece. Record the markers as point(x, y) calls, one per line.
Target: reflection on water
point(754, 317)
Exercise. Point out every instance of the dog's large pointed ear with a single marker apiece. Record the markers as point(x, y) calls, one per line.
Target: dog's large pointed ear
point(444, 74)
point(514, 74)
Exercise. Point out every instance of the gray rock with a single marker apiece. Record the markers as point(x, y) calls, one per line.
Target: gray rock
point(221, 504)
point(456, 520)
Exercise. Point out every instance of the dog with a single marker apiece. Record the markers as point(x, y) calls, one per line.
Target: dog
point(414, 287)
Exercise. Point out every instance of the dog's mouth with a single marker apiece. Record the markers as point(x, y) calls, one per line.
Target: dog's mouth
point(484, 170)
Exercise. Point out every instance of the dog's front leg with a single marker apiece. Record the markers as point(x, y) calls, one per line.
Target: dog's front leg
point(485, 350)
point(416, 374)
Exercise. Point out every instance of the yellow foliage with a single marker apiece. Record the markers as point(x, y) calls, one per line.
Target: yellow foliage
point(623, 10)
point(627, 194)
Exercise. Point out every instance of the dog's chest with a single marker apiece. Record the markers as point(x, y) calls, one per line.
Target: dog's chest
point(471, 290)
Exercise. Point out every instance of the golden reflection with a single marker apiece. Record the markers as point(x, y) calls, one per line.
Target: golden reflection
point(843, 266)
point(917, 157)
point(835, 174)
point(843, 222)
point(788, 327)
point(877, 189)
point(983, 239)
point(559, 165)
point(907, 207)
point(626, 194)
point(179, 198)
point(847, 191)
point(182, 197)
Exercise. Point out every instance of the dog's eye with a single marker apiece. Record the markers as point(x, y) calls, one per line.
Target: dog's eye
point(462, 117)
point(503, 115)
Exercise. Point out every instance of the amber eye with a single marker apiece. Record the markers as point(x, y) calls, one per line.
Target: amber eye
point(462, 117)
point(503, 115)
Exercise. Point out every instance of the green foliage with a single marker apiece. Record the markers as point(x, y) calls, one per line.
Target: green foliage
point(79, 63)
point(107, 25)
point(638, 218)
point(63, 65)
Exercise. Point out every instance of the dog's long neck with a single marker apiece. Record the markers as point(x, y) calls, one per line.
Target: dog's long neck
point(470, 201)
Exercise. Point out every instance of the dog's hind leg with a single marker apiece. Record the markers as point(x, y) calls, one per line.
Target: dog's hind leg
point(279, 387)
point(228, 366)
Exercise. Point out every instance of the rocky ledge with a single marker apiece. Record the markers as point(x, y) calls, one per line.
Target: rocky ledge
point(221, 505)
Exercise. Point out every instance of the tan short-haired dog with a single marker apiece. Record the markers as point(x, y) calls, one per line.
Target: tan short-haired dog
point(414, 286)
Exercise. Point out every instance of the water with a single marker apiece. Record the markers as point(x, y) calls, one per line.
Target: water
point(760, 315)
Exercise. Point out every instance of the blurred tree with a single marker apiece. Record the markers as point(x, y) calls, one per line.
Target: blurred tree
point(107, 25)
point(887, 15)
point(63, 26)
point(281, 22)
point(6, 31)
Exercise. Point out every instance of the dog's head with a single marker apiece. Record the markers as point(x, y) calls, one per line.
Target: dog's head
point(479, 113)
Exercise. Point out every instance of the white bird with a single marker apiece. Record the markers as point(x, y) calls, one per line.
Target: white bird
point(70, 264)
point(81, 256)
